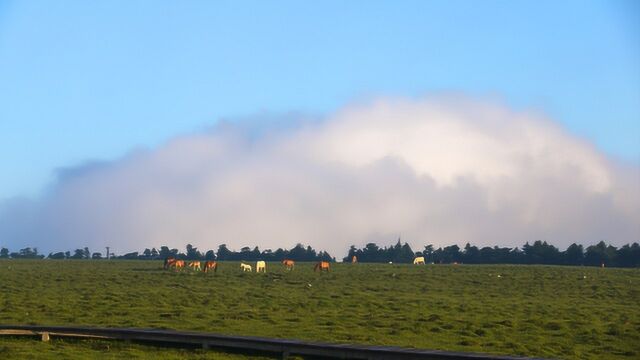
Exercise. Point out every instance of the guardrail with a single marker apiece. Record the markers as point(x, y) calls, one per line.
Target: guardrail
point(246, 343)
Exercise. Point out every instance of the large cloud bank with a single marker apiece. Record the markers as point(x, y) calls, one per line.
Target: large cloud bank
point(436, 170)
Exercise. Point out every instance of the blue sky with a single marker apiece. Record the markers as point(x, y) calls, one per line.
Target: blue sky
point(92, 80)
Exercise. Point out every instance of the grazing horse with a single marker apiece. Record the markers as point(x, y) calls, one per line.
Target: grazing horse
point(261, 265)
point(322, 265)
point(177, 264)
point(288, 264)
point(210, 265)
point(354, 259)
point(168, 261)
point(195, 265)
point(246, 267)
point(419, 260)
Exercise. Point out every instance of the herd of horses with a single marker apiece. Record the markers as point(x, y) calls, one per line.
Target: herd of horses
point(261, 266)
point(210, 265)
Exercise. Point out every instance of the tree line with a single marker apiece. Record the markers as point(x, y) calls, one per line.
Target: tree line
point(540, 252)
point(297, 253)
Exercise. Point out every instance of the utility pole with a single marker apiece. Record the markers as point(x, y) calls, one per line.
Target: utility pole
point(107, 253)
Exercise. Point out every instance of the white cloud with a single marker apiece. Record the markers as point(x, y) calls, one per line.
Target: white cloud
point(437, 170)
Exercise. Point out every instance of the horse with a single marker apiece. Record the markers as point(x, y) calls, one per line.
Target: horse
point(168, 261)
point(288, 264)
point(354, 259)
point(261, 265)
point(322, 265)
point(209, 265)
point(177, 264)
point(419, 260)
point(246, 267)
point(195, 265)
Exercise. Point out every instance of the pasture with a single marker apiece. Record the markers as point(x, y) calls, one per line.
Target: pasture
point(545, 311)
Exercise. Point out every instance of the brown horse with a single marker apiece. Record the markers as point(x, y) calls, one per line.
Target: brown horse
point(354, 259)
point(177, 264)
point(322, 265)
point(288, 264)
point(195, 265)
point(168, 261)
point(210, 265)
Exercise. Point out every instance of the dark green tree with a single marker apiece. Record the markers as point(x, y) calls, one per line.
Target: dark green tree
point(193, 253)
point(223, 252)
point(574, 255)
point(79, 254)
point(58, 255)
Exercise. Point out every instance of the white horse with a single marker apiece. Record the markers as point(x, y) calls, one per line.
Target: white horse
point(261, 265)
point(419, 260)
point(246, 267)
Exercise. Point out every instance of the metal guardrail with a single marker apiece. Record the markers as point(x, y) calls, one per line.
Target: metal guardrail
point(247, 343)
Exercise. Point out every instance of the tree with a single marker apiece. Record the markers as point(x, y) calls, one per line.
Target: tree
point(58, 255)
point(164, 252)
point(352, 252)
point(4, 253)
point(600, 254)
point(371, 253)
point(209, 255)
point(193, 253)
point(629, 256)
point(298, 253)
point(79, 254)
point(96, 256)
point(130, 256)
point(451, 254)
point(27, 253)
point(223, 252)
point(255, 254)
point(574, 255)
point(310, 254)
point(541, 253)
point(428, 253)
point(405, 255)
point(280, 254)
point(267, 255)
point(471, 254)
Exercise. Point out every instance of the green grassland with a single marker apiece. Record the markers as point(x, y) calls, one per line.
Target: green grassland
point(545, 311)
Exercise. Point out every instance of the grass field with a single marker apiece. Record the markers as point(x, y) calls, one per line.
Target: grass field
point(545, 311)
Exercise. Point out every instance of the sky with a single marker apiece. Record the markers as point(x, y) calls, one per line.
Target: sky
point(90, 88)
